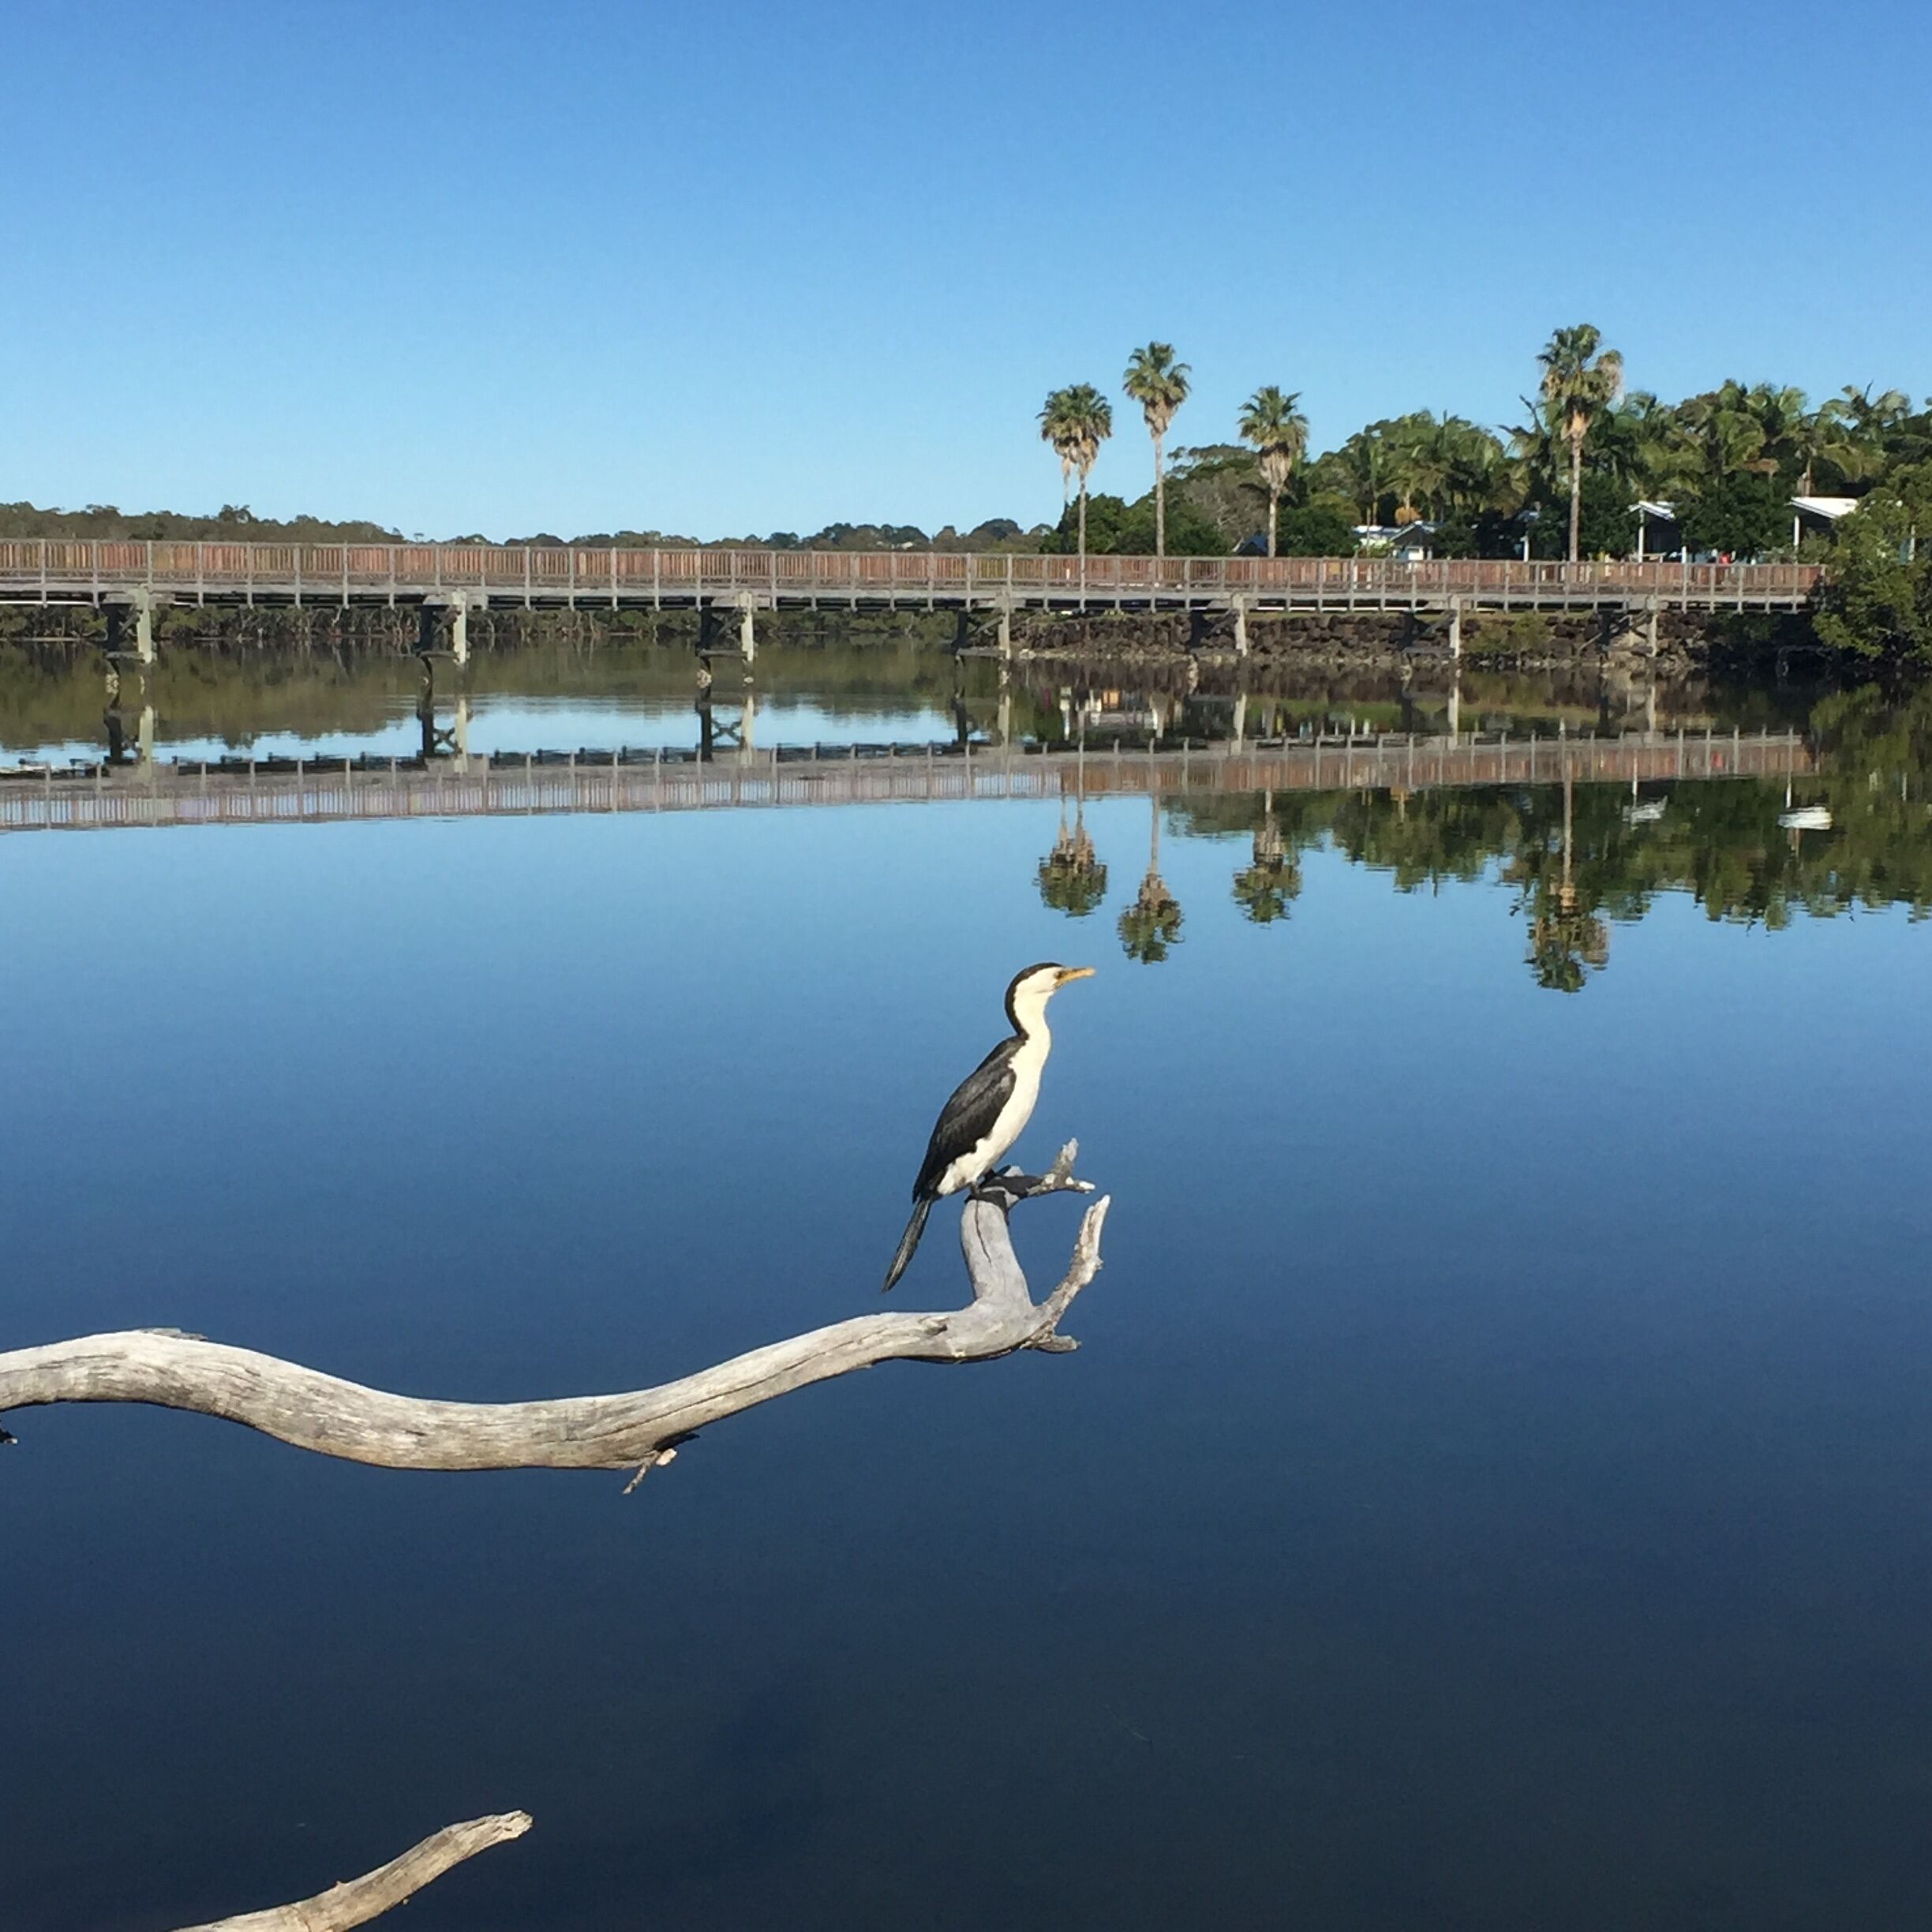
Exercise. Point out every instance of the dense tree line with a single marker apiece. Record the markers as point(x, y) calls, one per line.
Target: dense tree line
point(1563, 481)
point(1569, 473)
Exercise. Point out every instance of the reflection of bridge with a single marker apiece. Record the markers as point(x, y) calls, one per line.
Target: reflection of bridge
point(242, 792)
point(465, 577)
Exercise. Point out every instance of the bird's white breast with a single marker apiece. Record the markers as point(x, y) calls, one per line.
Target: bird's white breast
point(1028, 1062)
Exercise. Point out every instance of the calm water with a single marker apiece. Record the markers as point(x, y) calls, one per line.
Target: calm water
point(1492, 1491)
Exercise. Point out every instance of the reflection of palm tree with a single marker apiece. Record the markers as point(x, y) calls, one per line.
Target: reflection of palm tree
point(1562, 943)
point(1263, 888)
point(1152, 923)
point(1072, 879)
point(1565, 939)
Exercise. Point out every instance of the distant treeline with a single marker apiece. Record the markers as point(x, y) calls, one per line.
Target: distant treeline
point(1567, 480)
point(237, 523)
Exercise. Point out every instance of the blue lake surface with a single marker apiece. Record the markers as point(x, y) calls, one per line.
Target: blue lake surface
point(1492, 1493)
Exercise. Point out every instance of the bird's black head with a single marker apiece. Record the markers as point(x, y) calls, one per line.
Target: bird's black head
point(1031, 989)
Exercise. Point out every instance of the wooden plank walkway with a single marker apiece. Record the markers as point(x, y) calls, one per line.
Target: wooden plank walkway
point(477, 575)
point(101, 797)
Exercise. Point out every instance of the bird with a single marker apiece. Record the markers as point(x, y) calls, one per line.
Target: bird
point(991, 1107)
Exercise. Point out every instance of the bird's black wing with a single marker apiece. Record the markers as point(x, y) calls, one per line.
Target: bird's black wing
point(968, 1118)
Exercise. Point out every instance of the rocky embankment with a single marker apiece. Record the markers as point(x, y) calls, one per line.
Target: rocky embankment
point(1379, 641)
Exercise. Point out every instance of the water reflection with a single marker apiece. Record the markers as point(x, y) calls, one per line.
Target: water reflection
point(209, 702)
point(1072, 879)
point(1152, 923)
point(1575, 858)
point(1329, 1575)
point(450, 741)
point(1567, 940)
point(1264, 888)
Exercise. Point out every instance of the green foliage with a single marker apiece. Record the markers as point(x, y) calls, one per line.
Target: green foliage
point(1321, 527)
point(1740, 516)
point(232, 523)
point(1272, 421)
point(1486, 533)
point(1508, 634)
point(1158, 383)
point(1217, 485)
point(1606, 527)
point(1151, 925)
point(1265, 890)
point(1578, 869)
point(1877, 601)
point(1117, 528)
point(1071, 879)
point(1731, 456)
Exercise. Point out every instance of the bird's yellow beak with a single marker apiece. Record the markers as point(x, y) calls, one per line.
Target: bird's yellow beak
point(1073, 972)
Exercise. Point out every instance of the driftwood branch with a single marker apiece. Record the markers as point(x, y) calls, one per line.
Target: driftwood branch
point(358, 1900)
point(636, 1431)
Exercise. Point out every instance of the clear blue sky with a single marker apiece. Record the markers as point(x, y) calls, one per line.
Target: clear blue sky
point(747, 266)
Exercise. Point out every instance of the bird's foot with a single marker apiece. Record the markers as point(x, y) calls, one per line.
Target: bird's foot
point(1003, 1184)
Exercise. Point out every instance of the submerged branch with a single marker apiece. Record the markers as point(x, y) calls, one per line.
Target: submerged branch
point(356, 1901)
point(636, 1430)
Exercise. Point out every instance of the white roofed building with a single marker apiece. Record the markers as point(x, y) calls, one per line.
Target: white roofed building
point(1820, 513)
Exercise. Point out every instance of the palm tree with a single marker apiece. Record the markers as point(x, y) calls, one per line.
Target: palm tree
point(1159, 384)
point(1827, 435)
point(1721, 434)
point(1273, 423)
point(1076, 421)
point(1361, 466)
point(1420, 470)
point(1579, 381)
point(1871, 417)
point(1634, 442)
point(1534, 452)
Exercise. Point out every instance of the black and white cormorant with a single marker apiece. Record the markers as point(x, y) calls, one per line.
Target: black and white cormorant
point(991, 1107)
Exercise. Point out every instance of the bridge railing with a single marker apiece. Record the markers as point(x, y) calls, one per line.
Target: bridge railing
point(581, 569)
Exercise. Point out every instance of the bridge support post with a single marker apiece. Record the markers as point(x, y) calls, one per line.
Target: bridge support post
point(458, 604)
point(140, 601)
point(1006, 629)
point(1650, 628)
point(1241, 626)
point(1455, 627)
point(747, 630)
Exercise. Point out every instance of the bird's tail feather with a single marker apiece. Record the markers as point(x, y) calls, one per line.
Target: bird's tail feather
point(908, 1242)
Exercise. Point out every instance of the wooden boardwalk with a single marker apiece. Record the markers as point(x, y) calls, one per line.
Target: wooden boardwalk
point(471, 576)
point(283, 791)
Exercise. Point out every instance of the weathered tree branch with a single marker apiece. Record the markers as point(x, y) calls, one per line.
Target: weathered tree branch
point(356, 1901)
point(638, 1431)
